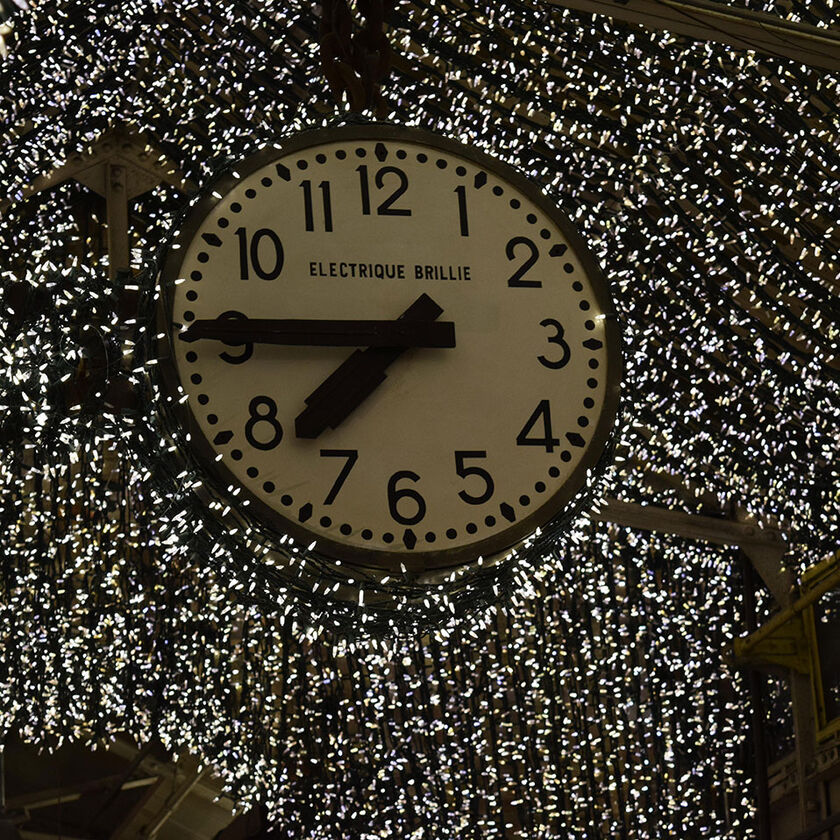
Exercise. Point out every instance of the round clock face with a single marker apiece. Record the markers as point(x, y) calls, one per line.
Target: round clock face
point(391, 345)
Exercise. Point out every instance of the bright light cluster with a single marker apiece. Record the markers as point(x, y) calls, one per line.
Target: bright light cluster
point(597, 701)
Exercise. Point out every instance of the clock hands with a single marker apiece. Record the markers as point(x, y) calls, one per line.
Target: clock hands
point(408, 331)
point(358, 376)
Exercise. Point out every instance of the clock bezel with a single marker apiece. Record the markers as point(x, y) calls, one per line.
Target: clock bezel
point(546, 515)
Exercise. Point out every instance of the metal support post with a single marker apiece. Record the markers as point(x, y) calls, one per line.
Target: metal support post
point(116, 196)
point(806, 747)
point(756, 682)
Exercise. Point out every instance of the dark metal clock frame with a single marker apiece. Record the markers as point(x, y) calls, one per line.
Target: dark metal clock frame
point(550, 512)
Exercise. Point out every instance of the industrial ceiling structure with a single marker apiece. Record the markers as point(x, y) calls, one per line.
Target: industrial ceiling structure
point(695, 147)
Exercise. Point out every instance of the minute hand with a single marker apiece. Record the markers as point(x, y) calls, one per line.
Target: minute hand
point(404, 332)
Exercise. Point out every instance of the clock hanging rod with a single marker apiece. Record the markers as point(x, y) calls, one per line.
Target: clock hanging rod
point(356, 60)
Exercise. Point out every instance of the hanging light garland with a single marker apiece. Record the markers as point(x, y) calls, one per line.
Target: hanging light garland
point(595, 700)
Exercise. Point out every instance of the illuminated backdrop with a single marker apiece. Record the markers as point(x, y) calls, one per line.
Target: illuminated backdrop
point(597, 700)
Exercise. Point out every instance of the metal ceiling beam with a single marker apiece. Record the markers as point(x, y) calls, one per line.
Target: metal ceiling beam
point(692, 526)
point(172, 803)
point(710, 21)
point(71, 793)
point(144, 167)
point(39, 835)
point(206, 787)
point(765, 546)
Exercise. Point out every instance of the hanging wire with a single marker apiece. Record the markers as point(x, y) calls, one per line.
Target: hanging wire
point(356, 59)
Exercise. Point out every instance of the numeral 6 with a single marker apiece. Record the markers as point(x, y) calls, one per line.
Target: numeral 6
point(397, 494)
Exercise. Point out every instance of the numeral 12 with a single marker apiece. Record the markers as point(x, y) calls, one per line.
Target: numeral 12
point(386, 208)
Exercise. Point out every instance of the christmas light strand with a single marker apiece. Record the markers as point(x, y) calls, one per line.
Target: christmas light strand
point(597, 701)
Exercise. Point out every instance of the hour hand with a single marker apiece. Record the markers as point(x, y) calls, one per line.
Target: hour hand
point(403, 332)
point(354, 380)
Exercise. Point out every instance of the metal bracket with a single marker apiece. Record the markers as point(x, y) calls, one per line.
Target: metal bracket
point(741, 28)
point(119, 166)
point(785, 639)
point(786, 646)
point(145, 166)
point(765, 546)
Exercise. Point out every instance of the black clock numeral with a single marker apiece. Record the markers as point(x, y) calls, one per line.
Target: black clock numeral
point(263, 414)
point(254, 253)
point(557, 338)
point(516, 279)
point(461, 190)
point(352, 455)
point(364, 186)
point(247, 348)
point(396, 495)
point(326, 202)
point(464, 472)
point(385, 208)
point(541, 412)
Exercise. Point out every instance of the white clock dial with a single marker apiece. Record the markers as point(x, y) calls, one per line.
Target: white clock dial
point(421, 450)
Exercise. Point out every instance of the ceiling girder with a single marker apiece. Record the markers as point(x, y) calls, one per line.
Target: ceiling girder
point(709, 21)
point(764, 545)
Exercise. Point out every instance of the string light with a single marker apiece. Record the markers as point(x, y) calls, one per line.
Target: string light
point(596, 699)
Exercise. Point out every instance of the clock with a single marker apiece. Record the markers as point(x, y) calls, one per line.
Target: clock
point(389, 346)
